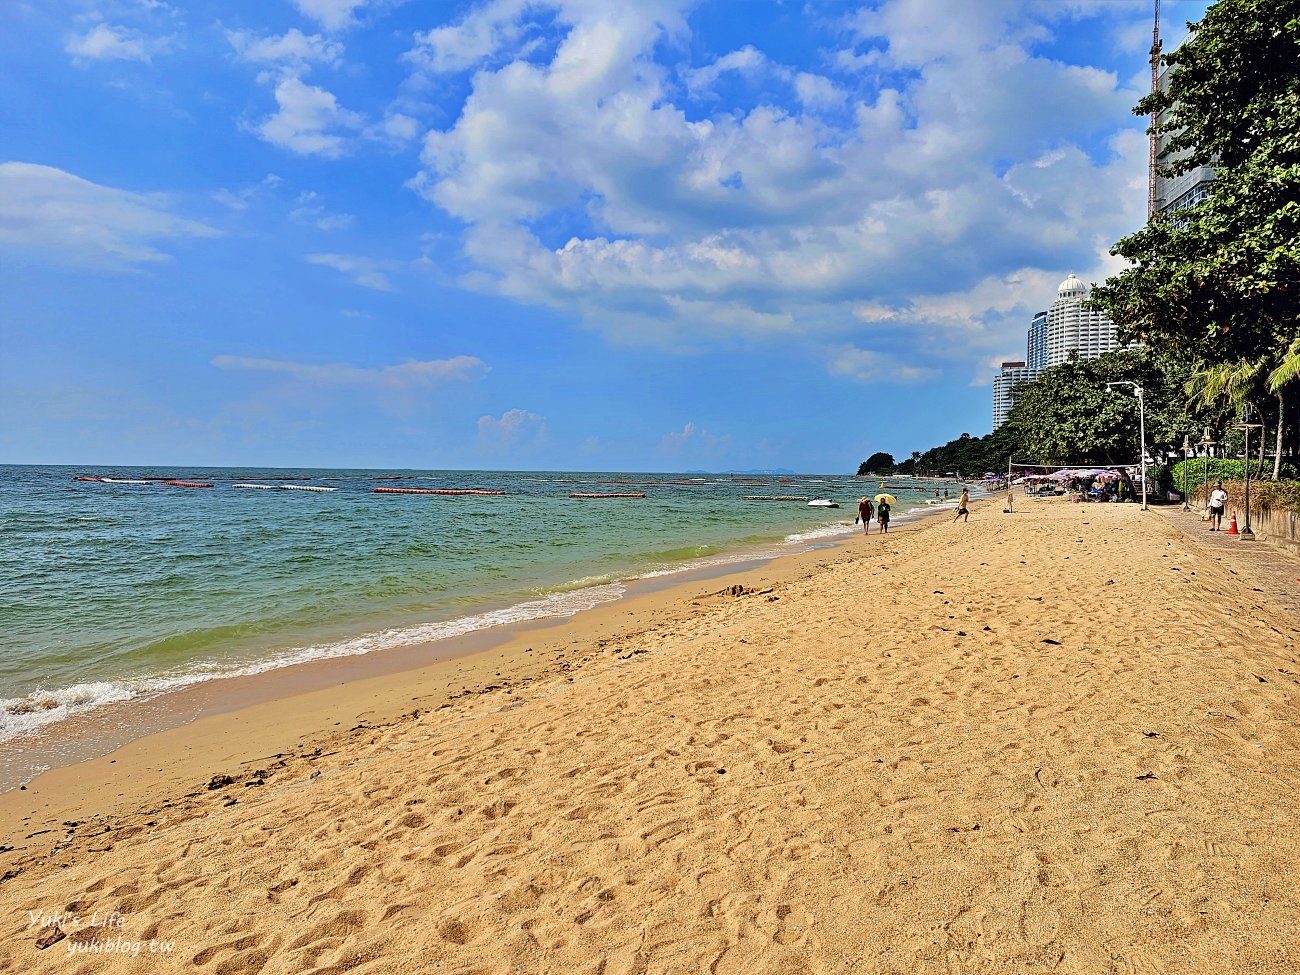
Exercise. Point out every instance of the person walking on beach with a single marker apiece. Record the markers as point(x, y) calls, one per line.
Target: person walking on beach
point(882, 516)
point(864, 515)
point(962, 511)
point(1218, 499)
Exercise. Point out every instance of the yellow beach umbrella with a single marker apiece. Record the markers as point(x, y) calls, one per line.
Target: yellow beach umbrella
point(887, 498)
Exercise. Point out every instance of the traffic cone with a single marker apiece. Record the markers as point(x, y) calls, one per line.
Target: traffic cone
point(1232, 525)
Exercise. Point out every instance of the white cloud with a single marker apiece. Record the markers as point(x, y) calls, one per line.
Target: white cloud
point(908, 220)
point(333, 15)
point(399, 128)
point(402, 376)
point(239, 199)
point(290, 48)
point(868, 366)
point(747, 60)
point(110, 42)
point(694, 438)
point(49, 209)
point(481, 33)
point(310, 210)
point(513, 429)
point(310, 120)
point(365, 271)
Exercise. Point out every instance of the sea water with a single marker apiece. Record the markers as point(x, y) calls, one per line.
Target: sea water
point(113, 592)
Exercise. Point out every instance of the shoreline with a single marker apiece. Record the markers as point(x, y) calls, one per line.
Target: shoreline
point(230, 721)
point(956, 747)
point(101, 729)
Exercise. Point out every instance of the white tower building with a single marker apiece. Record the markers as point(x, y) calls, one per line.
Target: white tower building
point(1004, 389)
point(1072, 328)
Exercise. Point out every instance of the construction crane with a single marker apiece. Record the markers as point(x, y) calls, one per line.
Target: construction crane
point(1153, 148)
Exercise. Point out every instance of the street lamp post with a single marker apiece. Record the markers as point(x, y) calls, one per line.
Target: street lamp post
point(1208, 444)
point(1142, 430)
point(1187, 464)
point(1246, 425)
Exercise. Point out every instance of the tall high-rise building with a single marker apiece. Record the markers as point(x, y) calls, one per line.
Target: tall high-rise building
point(1036, 360)
point(1174, 193)
point(1073, 328)
point(1005, 391)
point(1065, 328)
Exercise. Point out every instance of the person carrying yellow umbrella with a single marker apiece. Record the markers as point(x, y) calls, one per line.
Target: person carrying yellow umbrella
point(883, 502)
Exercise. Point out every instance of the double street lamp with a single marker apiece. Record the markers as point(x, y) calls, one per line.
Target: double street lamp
point(1208, 443)
point(1142, 430)
point(1248, 426)
point(1187, 465)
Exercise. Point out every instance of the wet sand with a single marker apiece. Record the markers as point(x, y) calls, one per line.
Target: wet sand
point(1060, 740)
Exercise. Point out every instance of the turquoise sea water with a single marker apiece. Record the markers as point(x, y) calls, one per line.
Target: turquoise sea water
point(115, 591)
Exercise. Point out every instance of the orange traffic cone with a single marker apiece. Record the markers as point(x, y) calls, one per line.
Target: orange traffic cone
point(1232, 525)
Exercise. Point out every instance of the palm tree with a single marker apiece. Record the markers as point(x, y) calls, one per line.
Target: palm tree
point(1245, 381)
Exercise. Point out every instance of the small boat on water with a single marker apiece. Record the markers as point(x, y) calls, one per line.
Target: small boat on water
point(822, 503)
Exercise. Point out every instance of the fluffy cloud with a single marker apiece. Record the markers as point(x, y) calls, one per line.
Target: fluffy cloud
point(333, 15)
point(513, 429)
point(48, 209)
point(403, 376)
point(309, 122)
point(364, 271)
point(694, 438)
point(290, 48)
point(105, 42)
point(974, 157)
point(311, 210)
point(868, 366)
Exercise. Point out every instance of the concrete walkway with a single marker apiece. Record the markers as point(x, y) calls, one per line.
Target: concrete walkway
point(1274, 572)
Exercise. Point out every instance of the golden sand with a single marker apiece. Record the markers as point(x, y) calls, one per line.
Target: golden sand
point(1062, 740)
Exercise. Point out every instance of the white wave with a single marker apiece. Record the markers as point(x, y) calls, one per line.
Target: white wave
point(23, 715)
point(825, 531)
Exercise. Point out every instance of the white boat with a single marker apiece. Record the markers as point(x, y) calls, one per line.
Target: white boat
point(822, 503)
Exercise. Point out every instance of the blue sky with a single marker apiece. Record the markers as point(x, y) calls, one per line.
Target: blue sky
point(569, 234)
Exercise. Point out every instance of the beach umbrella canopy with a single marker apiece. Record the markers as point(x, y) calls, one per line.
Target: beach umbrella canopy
point(887, 498)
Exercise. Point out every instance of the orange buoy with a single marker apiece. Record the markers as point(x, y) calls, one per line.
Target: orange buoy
point(387, 490)
point(192, 484)
point(575, 495)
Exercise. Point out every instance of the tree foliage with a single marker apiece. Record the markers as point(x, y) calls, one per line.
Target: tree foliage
point(878, 463)
point(1070, 416)
point(1219, 283)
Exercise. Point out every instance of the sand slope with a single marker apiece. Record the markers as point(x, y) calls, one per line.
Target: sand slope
point(1063, 740)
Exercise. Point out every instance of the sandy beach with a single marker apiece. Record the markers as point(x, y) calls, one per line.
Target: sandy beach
point(1062, 740)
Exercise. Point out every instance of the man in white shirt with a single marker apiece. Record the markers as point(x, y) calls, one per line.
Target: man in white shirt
point(1218, 499)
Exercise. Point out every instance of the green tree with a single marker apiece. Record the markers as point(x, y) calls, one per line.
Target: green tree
point(1069, 415)
point(1220, 284)
point(878, 463)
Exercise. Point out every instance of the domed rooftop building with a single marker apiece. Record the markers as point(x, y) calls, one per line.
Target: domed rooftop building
point(1072, 287)
point(1073, 328)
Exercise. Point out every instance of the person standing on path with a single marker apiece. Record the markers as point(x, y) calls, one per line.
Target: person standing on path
point(962, 511)
point(864, 514)
point(1218, 499)
point(882, 516)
